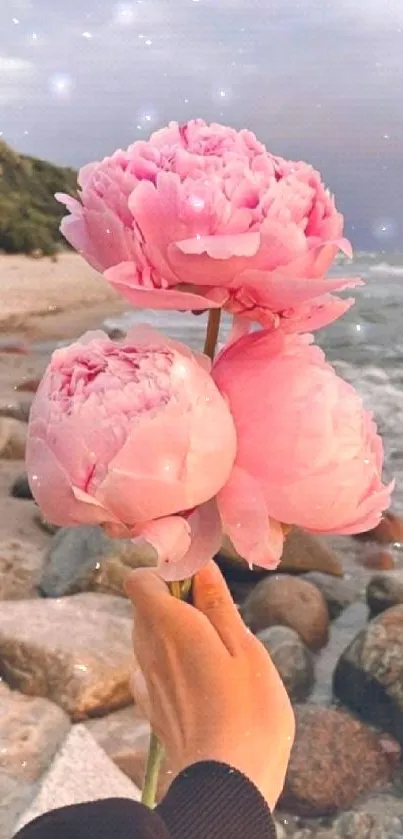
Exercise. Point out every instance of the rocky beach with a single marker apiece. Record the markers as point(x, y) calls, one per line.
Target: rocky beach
point(332, 618)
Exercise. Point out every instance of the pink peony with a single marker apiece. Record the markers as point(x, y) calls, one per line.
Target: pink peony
point(204, 216)
point(308, 454)
point(134, 436)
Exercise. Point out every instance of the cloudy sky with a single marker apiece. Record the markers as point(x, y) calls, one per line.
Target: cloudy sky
point(315, 79)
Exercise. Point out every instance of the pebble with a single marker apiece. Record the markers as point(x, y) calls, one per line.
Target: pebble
point(302, 553)
point(20, 569)
point(292, 659)
point(75, 651)
point(338, 593)
point(85, 559)
point(21, 488)
point(335, 759)
point(289, 601)
point(389, 530)
point(369, 675)
point(13, 436)
point(385, 591)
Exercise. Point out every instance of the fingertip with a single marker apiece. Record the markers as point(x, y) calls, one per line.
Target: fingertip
point(209, 584)
point(144, 582)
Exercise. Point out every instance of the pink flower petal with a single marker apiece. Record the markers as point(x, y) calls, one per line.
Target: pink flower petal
point(317, 313)
point(206, 536)
point(170, 537)
point(124, 278)
point(221, 247)
point(243, 510)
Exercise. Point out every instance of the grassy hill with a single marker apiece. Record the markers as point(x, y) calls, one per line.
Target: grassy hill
point(29, 214)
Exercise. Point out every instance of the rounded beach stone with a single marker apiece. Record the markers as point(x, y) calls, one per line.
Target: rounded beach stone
point(292, 659)
point(334, 760)
point(289, 601)
point(385, 591)
point(369, 674)
point(338, 593)
point(13, 436)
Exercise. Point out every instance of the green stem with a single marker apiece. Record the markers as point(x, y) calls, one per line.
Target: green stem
point(213, 329)
point(154, 759)
point(180, 590)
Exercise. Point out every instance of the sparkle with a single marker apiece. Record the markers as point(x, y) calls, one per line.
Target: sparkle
point(87, 35)
point(358, 327)
point(61, 85)
point(34, 36)
point(386, 136)
point(148, 42)
point(15, 20)
point(124, 14)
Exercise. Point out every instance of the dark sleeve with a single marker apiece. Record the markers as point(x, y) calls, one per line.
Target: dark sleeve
point(206, 801)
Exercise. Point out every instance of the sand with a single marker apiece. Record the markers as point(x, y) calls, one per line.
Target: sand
point(40, 302)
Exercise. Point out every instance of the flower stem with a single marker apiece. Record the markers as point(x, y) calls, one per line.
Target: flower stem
point(180, 590)
point(154, 759)
point(213, 329)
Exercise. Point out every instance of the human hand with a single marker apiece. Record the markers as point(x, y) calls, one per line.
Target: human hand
point(207, 685)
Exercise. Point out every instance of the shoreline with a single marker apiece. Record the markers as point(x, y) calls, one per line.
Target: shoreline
point(41, 300)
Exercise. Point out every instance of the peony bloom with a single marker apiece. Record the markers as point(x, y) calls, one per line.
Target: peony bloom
point(134, 436)
point(308, 453)
point(203, 216)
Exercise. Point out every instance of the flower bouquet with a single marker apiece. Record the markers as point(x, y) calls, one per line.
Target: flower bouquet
point(174, 448)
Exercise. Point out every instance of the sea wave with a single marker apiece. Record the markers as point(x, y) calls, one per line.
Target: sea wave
point(386, 268)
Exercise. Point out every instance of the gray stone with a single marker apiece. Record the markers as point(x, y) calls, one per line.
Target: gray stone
point(81, 772)
point(362, 825)
point(369, 674)
point(21, 488)
point(75, 651)
point(13, 436)
point(85, 559)
point(385, 591)
point(338, 593)
point(15, 797)
point(18, 409)
point(125, 736)
point(292, 659)
point(20, 570)
point(31, 730)
point(288, 601)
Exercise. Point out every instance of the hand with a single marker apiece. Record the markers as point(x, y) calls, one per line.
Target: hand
point(207, 685)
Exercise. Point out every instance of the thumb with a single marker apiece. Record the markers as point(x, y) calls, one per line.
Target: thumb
point(211, 596)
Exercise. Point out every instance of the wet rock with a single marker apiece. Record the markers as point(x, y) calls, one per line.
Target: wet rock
point(15, 409)
point(289, 601)
point(369, 674)
point(335, 759)
point(124, 736)
point(13, 346)
point(75, 651)
point(376, 559)
point(292, 659)
point(80, 772)
point(21, 488)
point(385, 591)
point(20, 570)
point(45, 525)
point(31, 730)
point(361, 825)
point(15, 797)
point(338, 593)
point(302, 553)
point(85, 559)
point(13, 435)
point(28, 386)
point(390, 529)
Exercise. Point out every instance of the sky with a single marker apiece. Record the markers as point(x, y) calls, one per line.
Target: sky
point(317, 80)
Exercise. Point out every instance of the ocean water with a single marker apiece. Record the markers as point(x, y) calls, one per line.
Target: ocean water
point(366, 345)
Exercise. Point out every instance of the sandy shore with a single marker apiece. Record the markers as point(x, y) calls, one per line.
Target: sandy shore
point(40, 301)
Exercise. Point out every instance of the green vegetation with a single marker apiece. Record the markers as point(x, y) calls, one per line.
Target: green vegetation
point(29, 214)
